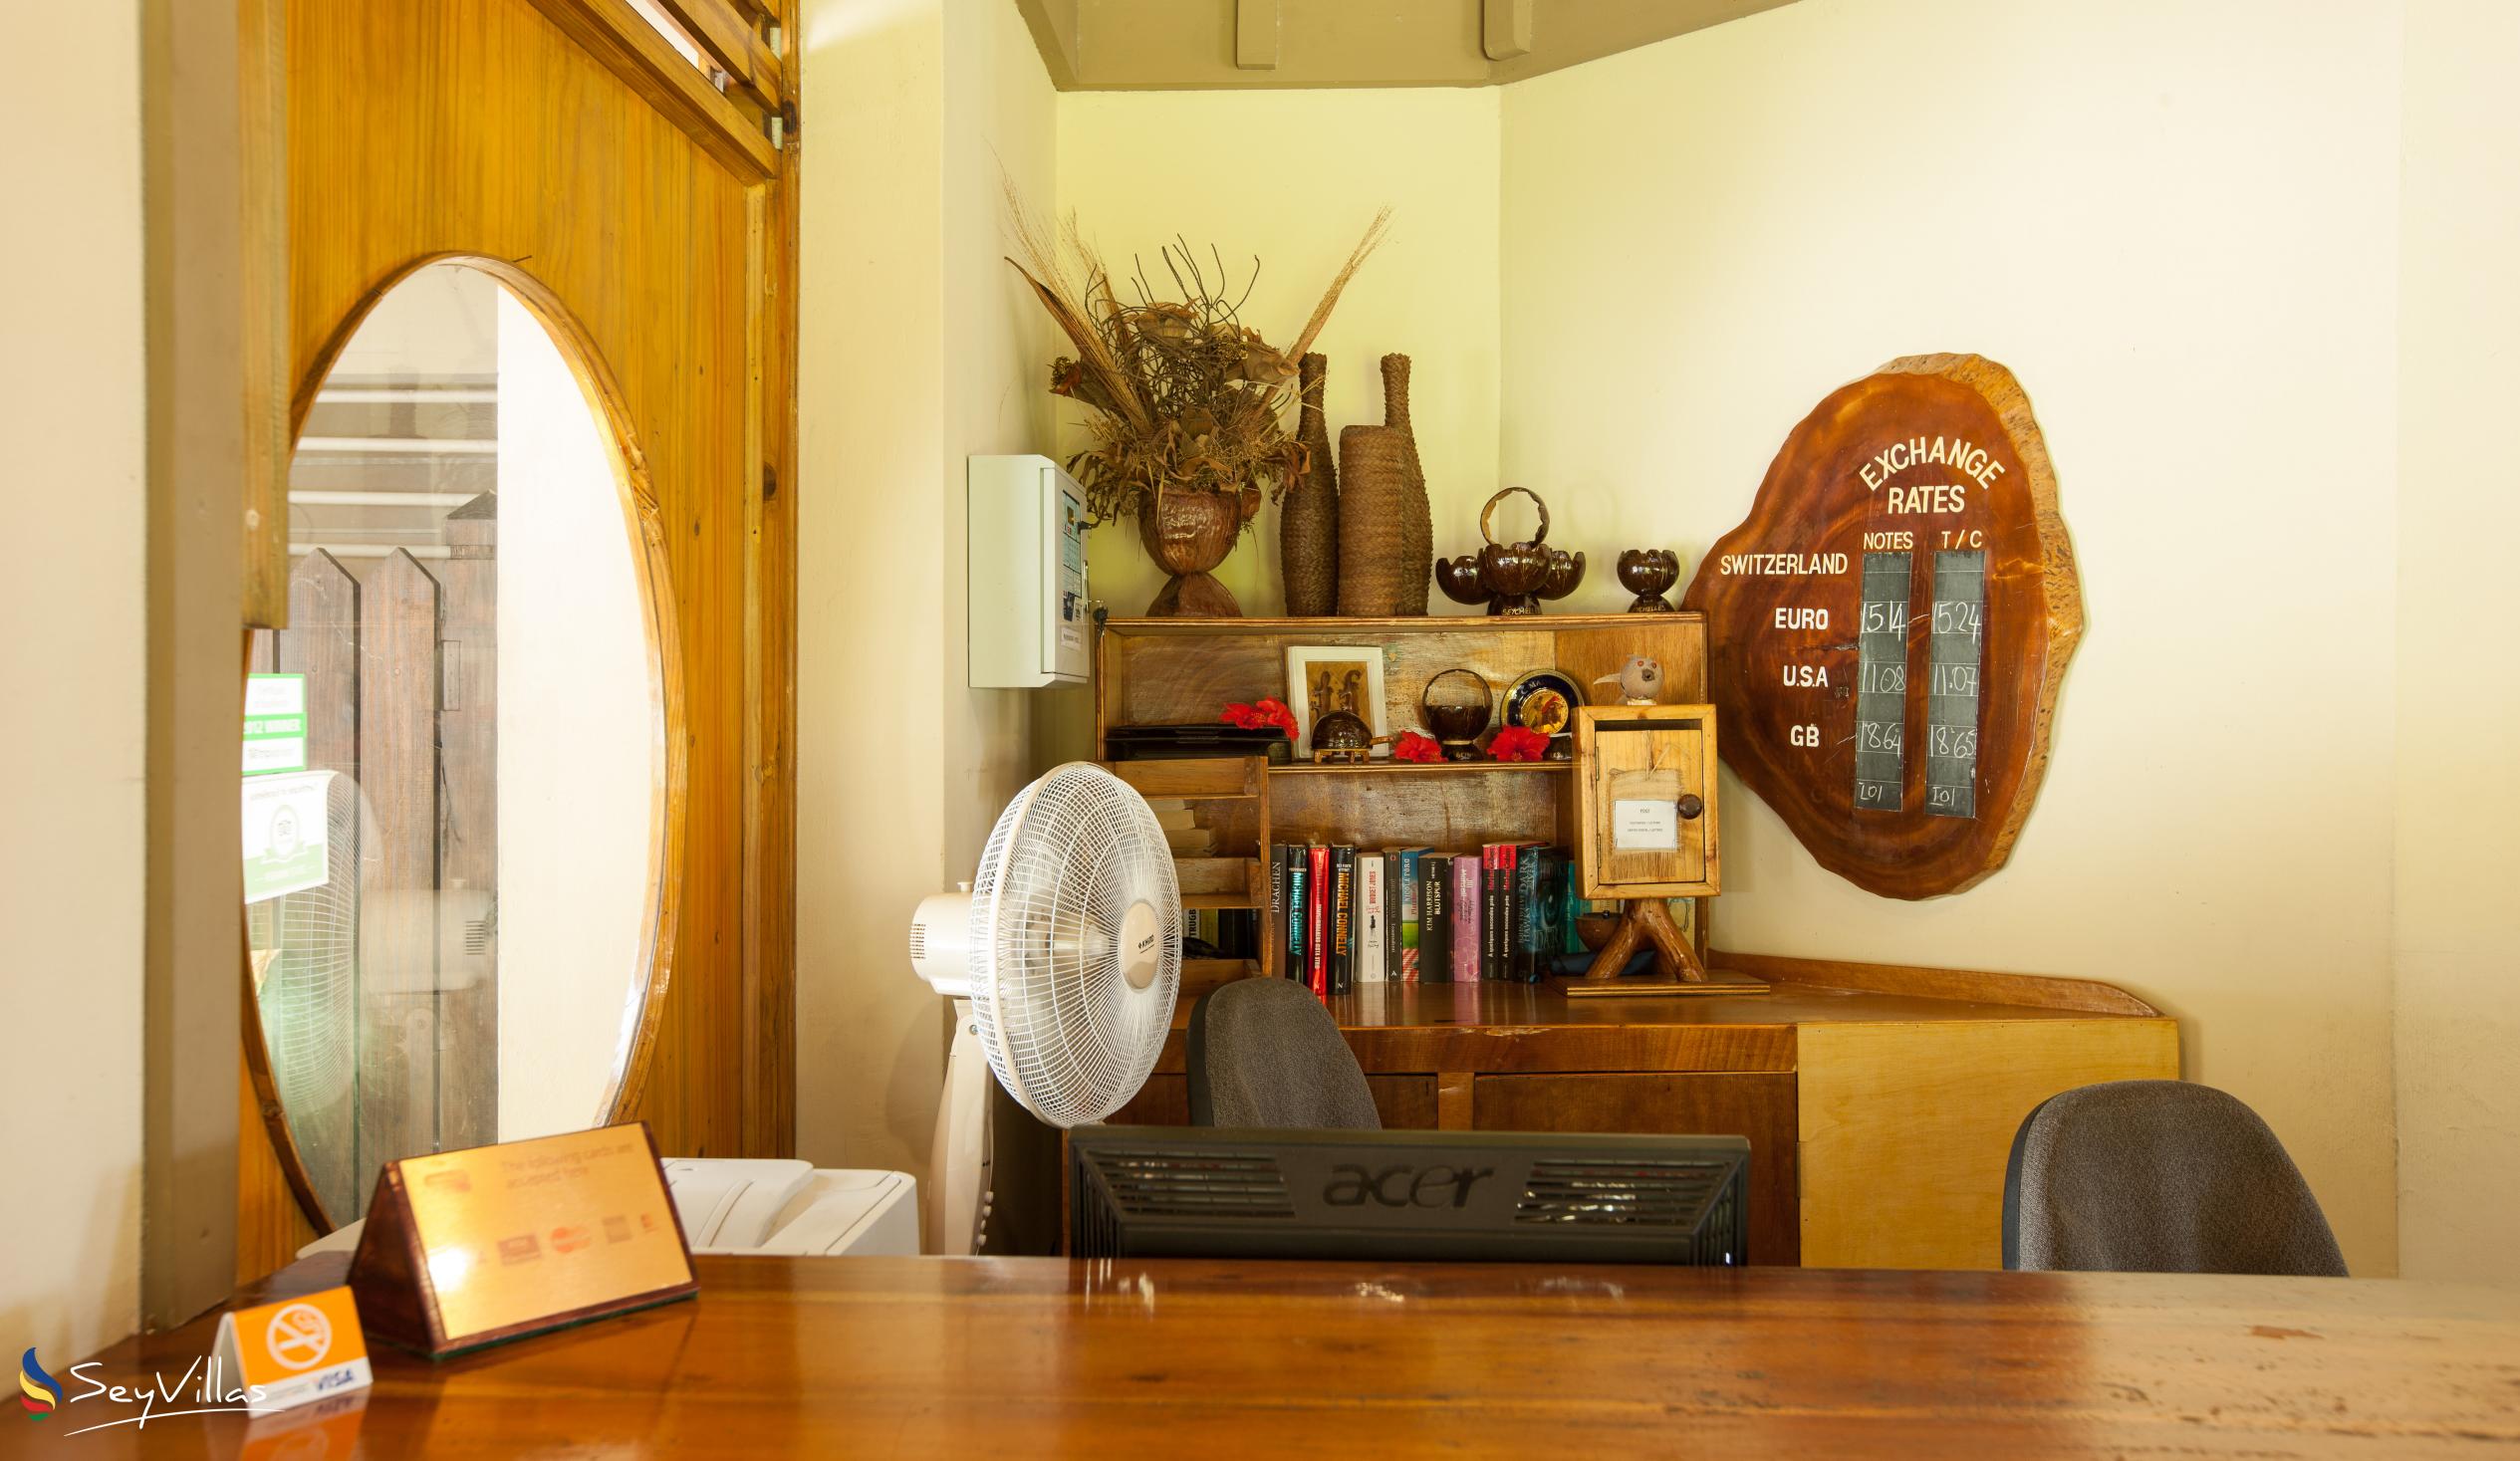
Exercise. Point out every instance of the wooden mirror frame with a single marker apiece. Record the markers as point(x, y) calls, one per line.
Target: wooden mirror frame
point(643, 519)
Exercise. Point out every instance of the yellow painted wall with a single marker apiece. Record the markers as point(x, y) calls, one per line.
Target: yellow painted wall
point(2459, 754)
point(71, 461)
point(2177, 224)
point(1293, 177)
point(1623, 282)
point(912, 356)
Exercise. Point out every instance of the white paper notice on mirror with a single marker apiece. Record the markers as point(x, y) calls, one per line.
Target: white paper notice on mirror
point(1638, 825)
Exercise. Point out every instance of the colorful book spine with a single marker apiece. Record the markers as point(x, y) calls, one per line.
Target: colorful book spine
point(1392, 886)
point(1496, 882)
point(1343, 919)
point(1575, 906)
point(1532, 921)
point(1412, 939)
point(1468, 903)
point(1273, 933)
point(1555, 876)
point(1317, 924)
point(1293, 955)
point(1369, 912)
point(1435, 919)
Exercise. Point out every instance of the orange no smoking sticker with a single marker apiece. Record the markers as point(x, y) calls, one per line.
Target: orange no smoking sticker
point(296, 1349)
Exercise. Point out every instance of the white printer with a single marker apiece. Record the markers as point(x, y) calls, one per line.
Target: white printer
point(776, 1208)
point(791, 1209)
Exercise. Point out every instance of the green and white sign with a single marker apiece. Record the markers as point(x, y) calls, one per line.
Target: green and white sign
point(286, 850)
point(274, 723)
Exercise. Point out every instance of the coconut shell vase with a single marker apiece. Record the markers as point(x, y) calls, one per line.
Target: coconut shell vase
point(1187, 534)
point(1457, 706)
point(1648, 573)
point(1511, 577)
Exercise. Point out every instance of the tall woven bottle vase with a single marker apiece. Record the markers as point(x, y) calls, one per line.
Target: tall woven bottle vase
point(1417, 522)
point(1308, 523)
point(1373, 501)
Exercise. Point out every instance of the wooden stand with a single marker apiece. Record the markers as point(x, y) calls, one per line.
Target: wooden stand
point(1639, 921)
point(1676, 967)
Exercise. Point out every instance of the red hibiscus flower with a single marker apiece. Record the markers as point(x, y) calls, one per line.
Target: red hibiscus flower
point(1415, 747)
point(1514, 743)
point(1267, 712)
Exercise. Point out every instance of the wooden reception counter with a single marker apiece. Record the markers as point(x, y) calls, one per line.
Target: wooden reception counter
point(1040, 1357)
point(1880, 1101)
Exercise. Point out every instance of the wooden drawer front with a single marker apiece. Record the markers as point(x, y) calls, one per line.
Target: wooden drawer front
point(1759, 1106)
point(1194, 777)
point(1406, 1103)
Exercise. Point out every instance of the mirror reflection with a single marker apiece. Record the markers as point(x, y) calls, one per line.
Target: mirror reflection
point(453, 754)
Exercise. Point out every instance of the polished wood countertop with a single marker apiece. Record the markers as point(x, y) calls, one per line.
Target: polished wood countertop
point(1511, 1027)
point(1032, 1358)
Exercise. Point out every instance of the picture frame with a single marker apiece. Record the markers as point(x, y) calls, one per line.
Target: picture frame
point(1321, 678)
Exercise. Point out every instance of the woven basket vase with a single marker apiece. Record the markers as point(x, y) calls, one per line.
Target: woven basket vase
point(1308, 522)
point(1386, 532)
point(1418, 541)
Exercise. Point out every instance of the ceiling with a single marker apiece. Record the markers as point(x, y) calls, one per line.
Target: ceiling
point(1208, 45)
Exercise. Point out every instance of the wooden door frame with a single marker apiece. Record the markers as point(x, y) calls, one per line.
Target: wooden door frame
point(214, 228)
point(216, 194)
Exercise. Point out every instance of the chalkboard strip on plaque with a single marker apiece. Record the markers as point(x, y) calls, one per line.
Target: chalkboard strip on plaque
point(1957, 652)
point(1880, 694)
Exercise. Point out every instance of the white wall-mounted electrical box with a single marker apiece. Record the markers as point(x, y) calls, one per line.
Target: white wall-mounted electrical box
point(1028, 616)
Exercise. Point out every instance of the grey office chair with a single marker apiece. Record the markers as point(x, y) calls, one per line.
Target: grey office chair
point(2159, 1176)
point(1264, 1053)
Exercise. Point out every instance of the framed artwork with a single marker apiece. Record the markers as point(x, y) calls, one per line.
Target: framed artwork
point(1321, 678)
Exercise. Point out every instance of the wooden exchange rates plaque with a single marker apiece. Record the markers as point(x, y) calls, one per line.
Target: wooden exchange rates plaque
point(1887, 629)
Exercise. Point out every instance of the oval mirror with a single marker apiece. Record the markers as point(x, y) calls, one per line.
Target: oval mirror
point(455, 754)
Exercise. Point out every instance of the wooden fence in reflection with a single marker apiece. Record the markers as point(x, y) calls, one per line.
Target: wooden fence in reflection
point(401, 660)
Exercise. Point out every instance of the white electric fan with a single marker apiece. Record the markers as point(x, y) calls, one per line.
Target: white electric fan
point(1063, 960)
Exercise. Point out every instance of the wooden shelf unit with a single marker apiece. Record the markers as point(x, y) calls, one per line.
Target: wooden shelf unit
point(1169, 672)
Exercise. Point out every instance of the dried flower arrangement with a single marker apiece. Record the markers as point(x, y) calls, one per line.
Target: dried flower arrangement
point(1185, 396)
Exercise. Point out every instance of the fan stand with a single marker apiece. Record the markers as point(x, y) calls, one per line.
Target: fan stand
point(958, 1162)
point(1676, 967)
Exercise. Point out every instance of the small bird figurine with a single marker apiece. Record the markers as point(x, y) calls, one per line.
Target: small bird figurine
point(1640, 680)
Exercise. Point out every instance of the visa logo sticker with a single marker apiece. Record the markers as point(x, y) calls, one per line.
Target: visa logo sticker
point(298, 1350)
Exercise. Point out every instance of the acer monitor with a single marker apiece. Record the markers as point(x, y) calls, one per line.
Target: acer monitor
point(1422, 1196)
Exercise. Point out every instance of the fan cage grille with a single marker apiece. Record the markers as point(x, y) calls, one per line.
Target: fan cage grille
point(1065, 1032)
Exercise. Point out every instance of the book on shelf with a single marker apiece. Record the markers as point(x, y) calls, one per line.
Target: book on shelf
point(1435, 919)
point(1273, 930)
point(1369, 918)
point(1317, 921)
point(1496, 874)
point(1470, 896)
point(1343, 919)
point(1540, 903)
point(1297, 869)
point(1409, 937)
